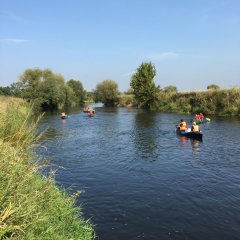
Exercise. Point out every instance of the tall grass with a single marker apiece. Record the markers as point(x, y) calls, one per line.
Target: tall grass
point(224, 102)
point(31, 206)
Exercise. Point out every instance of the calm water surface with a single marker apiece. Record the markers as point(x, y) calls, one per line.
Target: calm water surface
point(142, 181)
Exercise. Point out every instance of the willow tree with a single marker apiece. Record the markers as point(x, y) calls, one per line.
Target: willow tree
point(46, 89)
point(107, 93)
point(144, 89)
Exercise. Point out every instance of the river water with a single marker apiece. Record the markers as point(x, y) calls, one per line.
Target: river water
point(142, 181)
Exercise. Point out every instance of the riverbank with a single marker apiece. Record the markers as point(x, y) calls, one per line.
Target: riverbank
point(221, 102)
point(31, 206)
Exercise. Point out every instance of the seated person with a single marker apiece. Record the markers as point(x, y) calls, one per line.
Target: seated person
point(195, 127)
point(182, 125)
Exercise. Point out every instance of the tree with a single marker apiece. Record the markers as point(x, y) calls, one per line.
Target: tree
point(106, 92)
point(15, 89)
point(144, 89)
point(170, 89)
point(6, 91)
point(78, 90)
point(213, 87)
point(52, 92)
point(47, 89)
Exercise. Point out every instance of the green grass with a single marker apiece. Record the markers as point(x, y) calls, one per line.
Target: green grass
point(31, 206)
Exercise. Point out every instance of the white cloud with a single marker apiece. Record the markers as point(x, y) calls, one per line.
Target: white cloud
point(129, 74)
point(164, 55)
point(14, 40)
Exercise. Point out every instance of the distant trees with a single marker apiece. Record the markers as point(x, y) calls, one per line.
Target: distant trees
point(106, 92)
point(144, 89)
point(5, 91)
point(13, 90)
point(213, 87)
point(170, 89)
point(49, 90)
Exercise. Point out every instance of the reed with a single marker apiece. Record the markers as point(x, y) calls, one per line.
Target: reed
point(31, 206)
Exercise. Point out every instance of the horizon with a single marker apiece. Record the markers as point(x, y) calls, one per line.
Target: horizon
point(191, 44)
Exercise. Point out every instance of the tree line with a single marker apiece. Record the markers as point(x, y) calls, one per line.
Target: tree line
point(50, 91)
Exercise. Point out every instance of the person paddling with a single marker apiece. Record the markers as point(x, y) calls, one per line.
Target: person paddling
point(63, 115)
point(195, 127)
point(182, 125)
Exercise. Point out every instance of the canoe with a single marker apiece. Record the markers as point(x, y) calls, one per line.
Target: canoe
point(198, 121)
point(87, 111)
point(194, 135)
point(202, 121)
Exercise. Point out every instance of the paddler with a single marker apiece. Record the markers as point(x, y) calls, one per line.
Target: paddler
point(182, 125)
point(195, 127)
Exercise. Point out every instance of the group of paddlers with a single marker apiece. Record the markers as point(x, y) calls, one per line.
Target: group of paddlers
point(198, 117)
point(89, 110)
point(195, 127)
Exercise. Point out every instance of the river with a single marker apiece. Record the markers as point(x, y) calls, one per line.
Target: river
point(142, 181)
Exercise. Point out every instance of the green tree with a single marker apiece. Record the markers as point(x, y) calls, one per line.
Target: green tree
point(52, 92)
point(15, 89)
point(78, 90)
point(213, 87)
point(106, 92)
point(6, 91)
point(170, 89)
point(46, 89)
point(144, 89)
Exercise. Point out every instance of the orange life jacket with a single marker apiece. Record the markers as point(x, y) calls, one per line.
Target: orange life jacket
point(183, 126)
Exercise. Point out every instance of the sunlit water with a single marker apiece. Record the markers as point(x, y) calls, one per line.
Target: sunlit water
point(141, 180)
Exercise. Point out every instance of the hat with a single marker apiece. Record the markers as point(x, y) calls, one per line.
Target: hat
point(194, 123)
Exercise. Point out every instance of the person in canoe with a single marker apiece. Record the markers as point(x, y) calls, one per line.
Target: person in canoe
point(90, 113)
point(198, 118)
point(201, 117)
point(195, 127)
point(63, 115)
point(182, 126)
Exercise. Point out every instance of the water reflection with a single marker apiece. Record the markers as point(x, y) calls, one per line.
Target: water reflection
point(196, 146)
point(145, 135)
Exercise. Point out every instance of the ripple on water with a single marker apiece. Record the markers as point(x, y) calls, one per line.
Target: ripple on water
point(142, 181)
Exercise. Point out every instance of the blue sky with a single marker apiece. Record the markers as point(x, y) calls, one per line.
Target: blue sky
point(192, 43)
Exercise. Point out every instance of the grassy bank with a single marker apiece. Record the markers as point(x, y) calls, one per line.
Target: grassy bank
point(31, 206)
point(222, 102)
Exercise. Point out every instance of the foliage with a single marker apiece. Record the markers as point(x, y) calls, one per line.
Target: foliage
point(13, 90)
point(125, 99)
point(106, 92)
point(213, 87)
point(170, 89)
point(78, 90)
point(31, 207)
point(222, 102)
point(5, 91)
point(49, 90)
point(144, 89)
